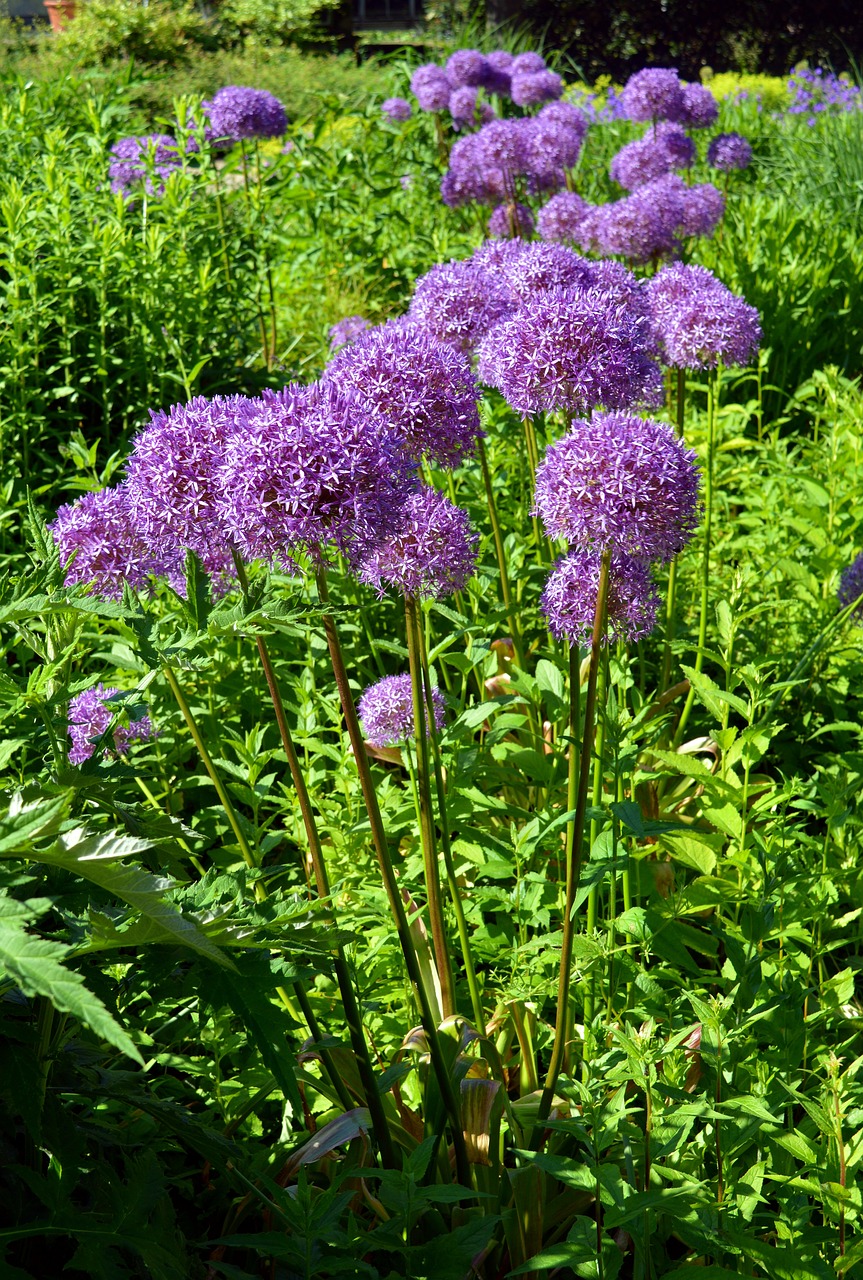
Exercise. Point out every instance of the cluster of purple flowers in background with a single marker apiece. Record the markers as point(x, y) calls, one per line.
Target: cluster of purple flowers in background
point(818, 92)
point(90, 717)
point(851, 585)
point(456, 87)
point(234, 114)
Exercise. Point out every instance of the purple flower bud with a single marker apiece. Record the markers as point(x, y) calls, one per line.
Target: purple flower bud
point(346, 331)
point(620, 481)
point(572, 588)
point(729, 151)
point(466, 67)
point(653, 94)
point(386, 710)
point(430, 554)
point(431, 87)
point(398, 109)
point(458, 302)
point(89, 718)
point(509, 221)
point(559, 217)
point(237, 113)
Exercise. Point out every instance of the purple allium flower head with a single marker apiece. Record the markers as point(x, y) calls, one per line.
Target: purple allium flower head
point(674, 287)
point(497, 73)
point(237, 113)
point(851, 585)
point(570, 595)
point(653, 94)
point(717, 326)
point(486, 113)
point(703, 207)
point(558, 218)
point(466, 67)
point(474, 175)
point(430, 554)
point(458, 302)
point(313, 466)
point(642, 226)
point(346, 331)
point(172, 480)
point(663, 148)
point(729, 151)
point(571, 350)
point(398, 109)
point(528, 89)
point(527, 64)
point(109, 549)
point(422, 388)
point(431, 87)
point(620, 481)
point(387, 711)
point(699, 109)
point(542, 267)
point(139, 160)
point(89, 718)
point(510, 220)
point(462, 106)
point(497, 256)
point(554, 146)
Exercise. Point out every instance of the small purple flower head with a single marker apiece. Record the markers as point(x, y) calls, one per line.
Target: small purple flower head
point(715, 327)
point(729, 151)
point(398, 109)
point(458, 302)
point(509, 221)
point(703, 207)
point(387, 711)
point(700, 109)
point(623, 482)
point(541, 267)
point(662, 149)
point(237, 113)
point(109, 549)
point(559, 217)
point(422, 388)
point(431, 87)
point(529, 89)
point(557, 136)
point(497, 77)
point(346, 331)
point(140, 160)
point(430, 554)
point(674, 288)
point(527, 64)
point(653, 94)
point(312, 467)
point(462, 106)
point(642, 226)
point(571, 350)
point(466, 68)
point(851, 586)
point(572, 588)
point(89, 718)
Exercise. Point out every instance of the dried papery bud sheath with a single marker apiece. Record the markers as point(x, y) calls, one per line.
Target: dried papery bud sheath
point(387, 714)
point(237, 113)
point(458, 302)
point(89, 717)
point(623, 482)
point(653, 94)
point(430, 554)
point(728, 151)
point(569, 598)
point(851, 585)
point(346, 331)
point(109, 550)
point(421, 388)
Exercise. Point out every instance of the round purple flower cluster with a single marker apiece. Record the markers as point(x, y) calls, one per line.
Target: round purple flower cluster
point(569, 598)
point(387, 711)
point(558, 219)
point(663, 148)
point(237, 113)
point(649, 223)
point(729, 151)
point(653, 94)
point(699, 322)
point(530, 88)
point(146, 160)
point(620, 481)
point(89, 718)
point(430, 554)
point(700, 109)
point(346, 331)
point(108, 547)
point(525, 79)
point(431, 87)
point(398, 109)
point(458, 302)
point(851, 585)
point(510, 222)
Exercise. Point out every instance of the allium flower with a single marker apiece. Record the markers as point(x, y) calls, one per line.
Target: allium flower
point(109, 549)
point(471, 177)
point(525, 64)
point(620, 481)
point(431, 553)
point(139, 159)
point(570, 595)
point(510, 220)
point(528, 89)
point(313, 466)
point(89, 717)
point(555, 142)
point(466, 67)
point(387, 711)
point(571, 350)
point(237, 113)
point(653, 94)
point(851, 585)
point(674, 288)
point(558, 218)
point(422, 388)
point(497, 73)
point(642, 226)
point(729, 151)
point(703, 207)
point(346, 331)
point(458, 302)
point(398, 109)
point(497, 256)
point(462, 106)
point(662, 149)
point(715, 327)
point(699, 110)
point(541, 267)
point(431, 87)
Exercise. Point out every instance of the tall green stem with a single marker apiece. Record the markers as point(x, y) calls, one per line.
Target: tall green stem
point(268, 266)
point(262, 324)
point(388, 875)
point(671, 595)
point(427, 833)
point(505, 591)
point(596, 800)
point(574, 847)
